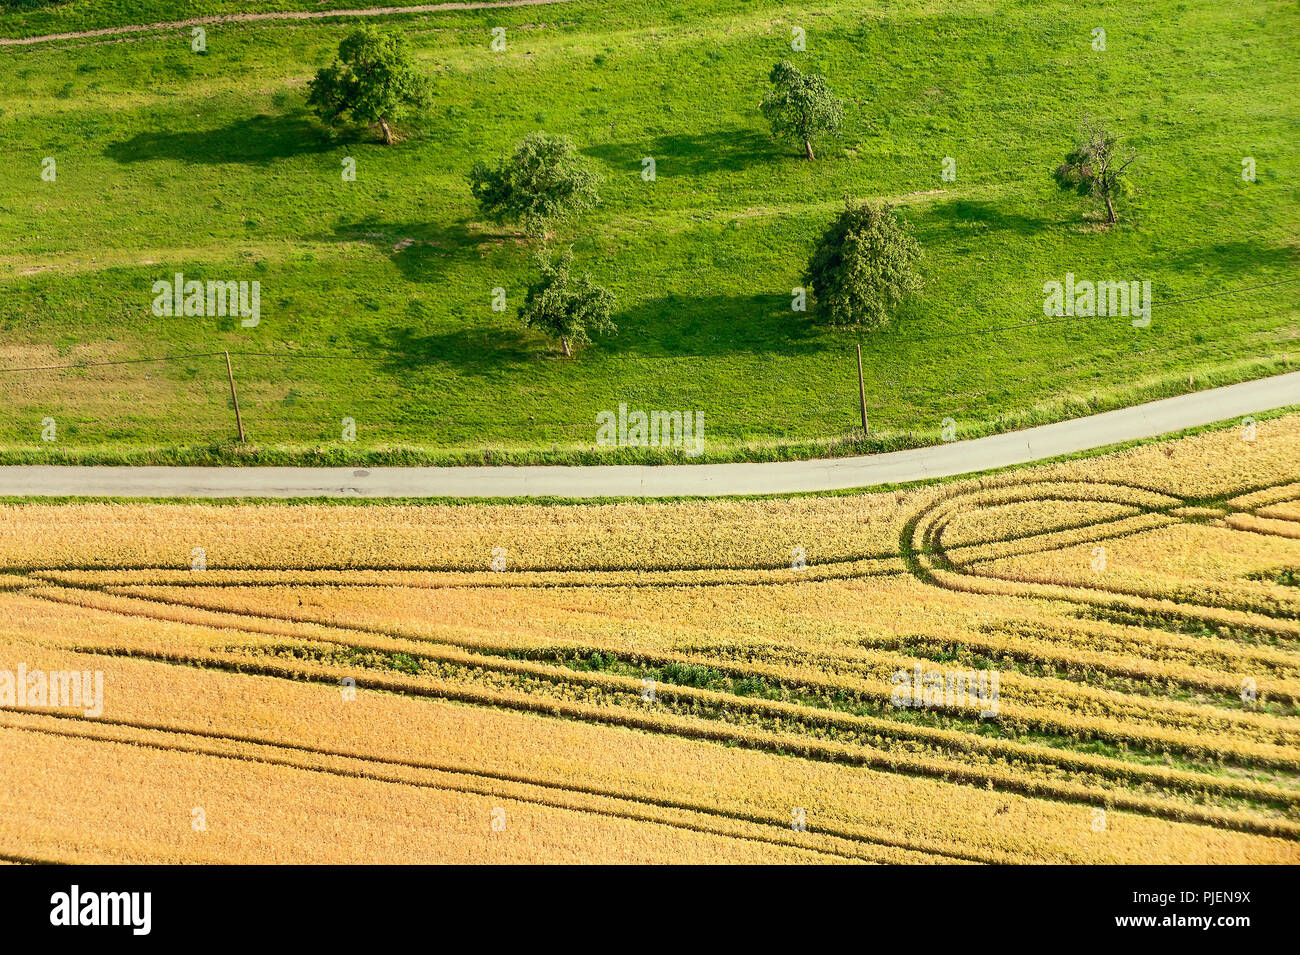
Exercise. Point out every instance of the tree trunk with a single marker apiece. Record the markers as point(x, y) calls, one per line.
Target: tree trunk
point(564, 343)
point(807, 144)
point(388, 133)
point(1110, 211)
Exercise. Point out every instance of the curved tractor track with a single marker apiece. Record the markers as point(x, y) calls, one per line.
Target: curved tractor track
point(928, 557)
point(834, 714)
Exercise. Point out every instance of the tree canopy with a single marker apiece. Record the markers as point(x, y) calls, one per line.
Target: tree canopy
point(542, 181)
point(800, 106)
point(373, 80)
point(862, 266)
point(568, 308)
point(1097, 166)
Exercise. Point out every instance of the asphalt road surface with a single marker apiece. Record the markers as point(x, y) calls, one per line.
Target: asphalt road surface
point(688, 480)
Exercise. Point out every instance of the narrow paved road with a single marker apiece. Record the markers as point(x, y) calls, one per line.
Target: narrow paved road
point(689, 480)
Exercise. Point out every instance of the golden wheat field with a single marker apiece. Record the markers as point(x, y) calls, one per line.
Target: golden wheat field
point(673, 682)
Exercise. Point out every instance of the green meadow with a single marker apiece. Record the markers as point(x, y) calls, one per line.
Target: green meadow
point(376, 294)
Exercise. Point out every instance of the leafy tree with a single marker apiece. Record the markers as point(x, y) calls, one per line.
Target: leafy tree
point(568, 308)
point(373, 80)
point(863, 264)
point(801, 106)
point(543, 180)
point(1097, 166)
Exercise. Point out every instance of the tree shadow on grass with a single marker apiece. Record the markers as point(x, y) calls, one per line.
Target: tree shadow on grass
point(259, 139)
point(942, 215)
point(664, 328)
point(1243, 258)
point(691, 154)
point(423, 251)
point(475, 350)
point(677, 325)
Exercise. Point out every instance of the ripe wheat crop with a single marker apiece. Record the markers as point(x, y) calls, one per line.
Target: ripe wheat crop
point(713, 681)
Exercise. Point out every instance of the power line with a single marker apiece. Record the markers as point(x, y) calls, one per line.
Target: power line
point(124, 361)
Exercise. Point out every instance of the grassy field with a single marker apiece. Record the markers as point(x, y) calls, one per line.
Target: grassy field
point(660, 682)
point(376, 293)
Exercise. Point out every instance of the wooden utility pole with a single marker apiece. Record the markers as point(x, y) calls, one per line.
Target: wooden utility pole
point(862, 393)
point(240, 421)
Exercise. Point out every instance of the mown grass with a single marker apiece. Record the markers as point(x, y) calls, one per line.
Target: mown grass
point(209, 164)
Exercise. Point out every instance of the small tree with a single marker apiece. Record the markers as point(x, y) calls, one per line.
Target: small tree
point(570, 309)
point(863, 264)
point(1097, 167)
point(373, 80)
point(801, 106)
point(543, 180)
